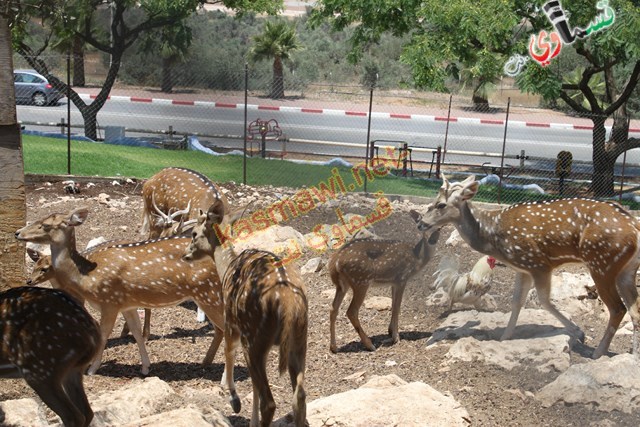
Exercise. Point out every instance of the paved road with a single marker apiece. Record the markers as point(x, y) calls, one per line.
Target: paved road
point(304, 129)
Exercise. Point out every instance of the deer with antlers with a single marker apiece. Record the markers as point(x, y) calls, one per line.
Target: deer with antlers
point(265, 305)
point(175, 195)
point(361, 263)
point(171, 199)
point(49, 340)
point(122, 277)
point(534, 238)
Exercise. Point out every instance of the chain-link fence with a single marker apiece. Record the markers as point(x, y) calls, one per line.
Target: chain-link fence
point(419, 135)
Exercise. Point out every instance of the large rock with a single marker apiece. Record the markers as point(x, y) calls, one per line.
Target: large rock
point(549, 354)
point(532, 323)
point(138, 400)
point(605, 384)
point(277, 239)
point(183, 417)
point(386, 401)
point(539, 340)
point(22, 413)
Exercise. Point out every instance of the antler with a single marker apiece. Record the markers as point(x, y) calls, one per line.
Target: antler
point(165, 220)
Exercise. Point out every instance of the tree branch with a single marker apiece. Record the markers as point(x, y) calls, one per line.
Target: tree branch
point(630, 85)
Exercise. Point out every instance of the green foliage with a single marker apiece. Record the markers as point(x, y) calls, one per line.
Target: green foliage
point(277, 40)
point(539, 80)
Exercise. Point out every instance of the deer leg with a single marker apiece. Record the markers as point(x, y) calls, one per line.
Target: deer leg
point(230, 342)
point(359, 292)
point(261, 391)
point(136, 330)
point(609, 295)
point(522, 287)
point(296, 373)
point(74, 388)
point(218, 334)
point(626, 284)
point(146, 330)
point(333, 314)
point(107, 320)
point(53, 395)
point(396, 301)
point(542, 283)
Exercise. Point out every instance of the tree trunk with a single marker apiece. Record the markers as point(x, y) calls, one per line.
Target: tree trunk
point(167, 77)
point(13, 207)
point(480, 101)
point(602, 182)
point(78, 62)
point(277, 85)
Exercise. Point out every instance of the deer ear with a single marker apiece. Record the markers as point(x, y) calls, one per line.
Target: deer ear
point(34, 254)
point(469, 189)
point(215, 214)
point(415, 215)
point(77, 216)
point(445, 183)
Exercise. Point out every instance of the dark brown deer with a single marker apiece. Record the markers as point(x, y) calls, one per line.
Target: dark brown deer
point(120, 278)
point(537, 237)
point(49, 340)
point(362, 263)
point(265, 305)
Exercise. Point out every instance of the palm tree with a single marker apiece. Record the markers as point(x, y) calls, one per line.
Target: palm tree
point(278, 41)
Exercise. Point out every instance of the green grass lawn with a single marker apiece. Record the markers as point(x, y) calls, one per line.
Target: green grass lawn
point(49, 156)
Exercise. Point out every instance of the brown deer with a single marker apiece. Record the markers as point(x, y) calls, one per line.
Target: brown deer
point(361, 263)
point(265, 305)
point(171, 200)
point(150, 274)
point(49, 340)
point(176, 194)
point(534, 238)
point(43, 271)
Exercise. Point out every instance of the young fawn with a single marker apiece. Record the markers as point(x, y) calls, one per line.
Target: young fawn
point(120, 278)
point(265, 305)
point(535, 238)
point(361, 263)
point(49, 340)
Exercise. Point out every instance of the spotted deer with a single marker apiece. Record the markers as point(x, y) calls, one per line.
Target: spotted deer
point(176, 194)
point(265, 305)
point(49, 340)
point(364, 262)
point(535, 238)
point(43, 271)
point(119, 278)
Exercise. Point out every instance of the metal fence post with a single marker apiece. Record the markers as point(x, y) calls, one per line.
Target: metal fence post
point(68, 111)
point(366, 156)
point(246, 99)
point(446, 135)
point(504, 144)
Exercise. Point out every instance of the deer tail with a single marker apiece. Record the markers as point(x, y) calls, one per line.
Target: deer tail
point(293, 336)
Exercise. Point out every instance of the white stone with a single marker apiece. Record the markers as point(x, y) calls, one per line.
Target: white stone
point(549, 354)
point(385, 401)
point(378, 303)
point(314, 265)
point(22, 413)
point(605, 384)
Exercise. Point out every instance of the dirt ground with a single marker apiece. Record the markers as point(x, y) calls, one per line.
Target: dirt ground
point(492, 396)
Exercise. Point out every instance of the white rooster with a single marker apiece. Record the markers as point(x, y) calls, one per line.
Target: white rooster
point(465, 288)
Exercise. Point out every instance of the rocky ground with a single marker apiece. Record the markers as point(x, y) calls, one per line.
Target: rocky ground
point(492, 394)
